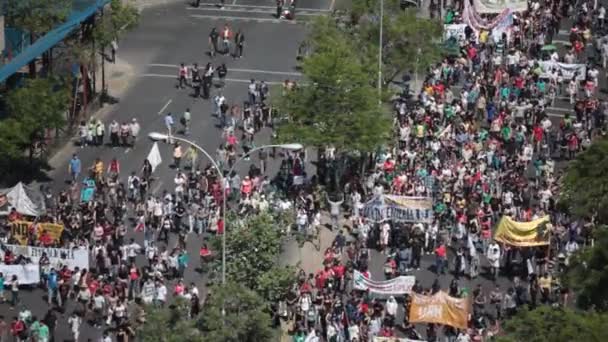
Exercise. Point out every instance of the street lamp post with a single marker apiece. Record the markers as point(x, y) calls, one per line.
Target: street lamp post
point(164, 137)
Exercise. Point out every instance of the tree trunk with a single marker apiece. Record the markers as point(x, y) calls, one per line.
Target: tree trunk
point(32, 63)
point(103, 74)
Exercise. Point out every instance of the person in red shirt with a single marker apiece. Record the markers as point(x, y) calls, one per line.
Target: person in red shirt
point(339, 270)
point(46, 239)
point(440, 258)
point(14, 215)
point(18, 329)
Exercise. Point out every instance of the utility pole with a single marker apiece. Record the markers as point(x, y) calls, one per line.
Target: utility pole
point(380, 53)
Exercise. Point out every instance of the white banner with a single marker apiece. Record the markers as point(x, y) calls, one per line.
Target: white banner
point(394, 339)
point(396, 286)
point(568, 70)
point(497, 6)
point(57, 256)
point(26, 274)
point(454, 30)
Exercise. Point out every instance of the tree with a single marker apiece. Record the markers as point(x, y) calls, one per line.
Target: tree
point(40, 104)
point(409, 43)
point(119, 19)
point(587, 274)
point(37, 17)
point(585, 185)
point(253, 247)
point(337, 104)
point(169, 325)
point(234, 313)
point(548, 324)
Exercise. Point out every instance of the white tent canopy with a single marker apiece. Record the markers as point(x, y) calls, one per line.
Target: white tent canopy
point(25, 200)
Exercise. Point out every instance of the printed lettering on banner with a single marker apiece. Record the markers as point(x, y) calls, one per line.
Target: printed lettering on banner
point(454, 30)
point(568, 70)
point(26, 274)
point(399, 208)
point(396, 286)
point(21, 230)
point(57, 256)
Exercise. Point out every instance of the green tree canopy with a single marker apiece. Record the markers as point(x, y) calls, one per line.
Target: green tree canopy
point(42, 103)
point(119, 19)
point(585, 185)
point(337, 104)
point(169, 324)
point(547, 324)
point(409, 42)
point(245, 319)
point(587, 273)
point(253, 248)
point(37, 16)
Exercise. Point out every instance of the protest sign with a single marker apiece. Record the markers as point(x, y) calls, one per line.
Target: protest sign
point(439, 308)
point(21, 230)
point(568, 70)
point(454, 30)
point(395, 286)
point(57, 256)
point(399, 208)
point(497, 6)
point(523, 234)
point(394, 339)
point(26, 274)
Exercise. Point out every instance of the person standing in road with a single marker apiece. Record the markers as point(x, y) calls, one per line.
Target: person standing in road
point(186, 121)
point(135, 128)
point(169, 124)
point(177, 155)
point(280, 4)
point(182, 75)
point(239, 43)
point(334, 211)
point(75, 167)
point(74, 321)
point(222, 71)
point(226, 35)
point(213, 37)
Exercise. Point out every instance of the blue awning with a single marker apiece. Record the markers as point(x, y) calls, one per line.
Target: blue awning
point(51, 38)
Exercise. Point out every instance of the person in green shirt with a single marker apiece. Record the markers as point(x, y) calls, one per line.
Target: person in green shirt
point(34, 328)
point(43, 333)
point(506, 133)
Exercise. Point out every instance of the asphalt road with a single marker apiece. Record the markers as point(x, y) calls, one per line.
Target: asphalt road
point(168, 35)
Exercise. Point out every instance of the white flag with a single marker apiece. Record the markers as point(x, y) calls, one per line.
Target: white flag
point(154, 157)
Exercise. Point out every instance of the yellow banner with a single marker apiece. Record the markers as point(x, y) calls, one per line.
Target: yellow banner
point(440, 308)
point(21, 230)
point(523, 234)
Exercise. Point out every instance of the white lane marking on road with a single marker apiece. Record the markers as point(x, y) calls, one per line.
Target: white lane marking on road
point(556, 115)
point(205, 4)
point(260, 20)
point(557, 109)
point(236, 80)
point(253, 71)
point(166, 105)
point(249, 10)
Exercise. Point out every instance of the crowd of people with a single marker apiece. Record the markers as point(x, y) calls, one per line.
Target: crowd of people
point(481, 140)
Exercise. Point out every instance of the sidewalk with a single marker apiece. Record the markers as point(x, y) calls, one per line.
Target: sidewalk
point(119, 77)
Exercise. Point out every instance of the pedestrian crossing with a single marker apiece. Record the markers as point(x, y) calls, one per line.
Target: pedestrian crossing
point(250, 13)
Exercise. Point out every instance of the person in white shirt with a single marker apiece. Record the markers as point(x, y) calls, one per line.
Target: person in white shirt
point(74, 322)
point(161, 294)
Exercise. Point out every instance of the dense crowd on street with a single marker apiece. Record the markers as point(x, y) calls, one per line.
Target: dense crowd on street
point(477, 138)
